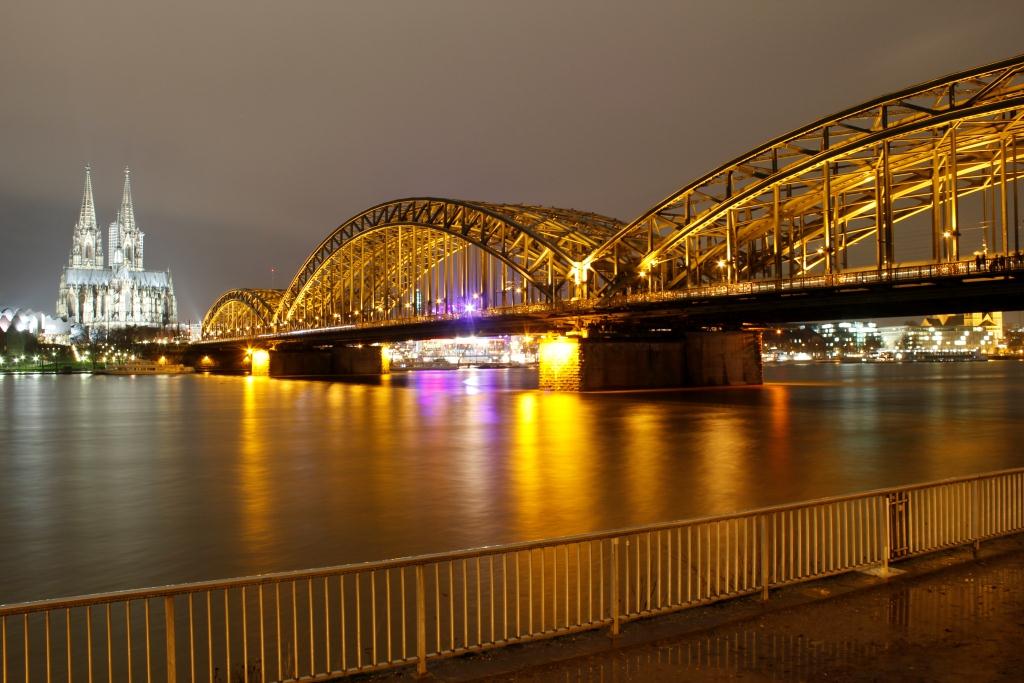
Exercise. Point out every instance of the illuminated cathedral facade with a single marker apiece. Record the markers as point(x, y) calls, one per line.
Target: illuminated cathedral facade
point(113, 290)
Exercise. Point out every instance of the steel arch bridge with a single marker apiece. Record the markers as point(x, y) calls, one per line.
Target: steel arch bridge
point(418, 257)
point(923, 178)
point(427, 256)
point(810, 202)
point(243, 312)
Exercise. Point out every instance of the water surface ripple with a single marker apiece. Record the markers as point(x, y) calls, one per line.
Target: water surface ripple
point(120, 482)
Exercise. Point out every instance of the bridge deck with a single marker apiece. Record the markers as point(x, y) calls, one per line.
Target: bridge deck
point(906, 290)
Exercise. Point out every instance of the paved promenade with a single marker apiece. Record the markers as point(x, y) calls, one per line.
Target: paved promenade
point(946, 618)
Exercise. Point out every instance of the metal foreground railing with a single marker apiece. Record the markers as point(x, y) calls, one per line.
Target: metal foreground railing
point(330, 622)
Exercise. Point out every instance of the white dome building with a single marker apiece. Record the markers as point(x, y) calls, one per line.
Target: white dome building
point(20, 320)
point(32, 322)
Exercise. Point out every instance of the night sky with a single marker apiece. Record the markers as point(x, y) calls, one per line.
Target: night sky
point(254, 128)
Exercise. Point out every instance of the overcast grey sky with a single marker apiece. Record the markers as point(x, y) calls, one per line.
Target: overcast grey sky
point(253, 128)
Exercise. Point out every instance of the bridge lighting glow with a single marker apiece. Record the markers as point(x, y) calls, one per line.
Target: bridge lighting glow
point(721, 263)
point(579, 271)
point(558, 350)
point(260, 362)
point(558, 355)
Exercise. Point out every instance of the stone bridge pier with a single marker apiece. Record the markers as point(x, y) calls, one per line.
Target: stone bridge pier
point(691, 359)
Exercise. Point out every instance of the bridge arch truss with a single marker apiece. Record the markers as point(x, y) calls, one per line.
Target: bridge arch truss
point(242, 313)
point(926, 175)
point(429, 256)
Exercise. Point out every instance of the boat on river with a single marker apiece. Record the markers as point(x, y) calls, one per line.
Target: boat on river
point(144, 367)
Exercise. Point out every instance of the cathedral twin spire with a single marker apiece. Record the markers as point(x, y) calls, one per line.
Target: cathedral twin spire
point(87, 246)
point(125, 240)
point(87, 215)
point(126, 214)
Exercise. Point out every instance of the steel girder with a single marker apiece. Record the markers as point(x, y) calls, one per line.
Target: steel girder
point(878, 163)
point(241, 312)
point(541, 246)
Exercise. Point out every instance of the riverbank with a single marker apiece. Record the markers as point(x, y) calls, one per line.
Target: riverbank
point(946, 617)
point(46, 371)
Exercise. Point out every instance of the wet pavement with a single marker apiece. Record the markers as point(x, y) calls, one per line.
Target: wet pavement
point(946, 617)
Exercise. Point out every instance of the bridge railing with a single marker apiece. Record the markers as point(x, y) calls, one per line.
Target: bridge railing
point(924, 272)
point(376, 615)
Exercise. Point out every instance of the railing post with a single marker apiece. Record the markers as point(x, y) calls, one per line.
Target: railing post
point(764, 557)
point(886, 540)
point(172, 669)
point(616, 626)
point(421, 624)
point(975, 521)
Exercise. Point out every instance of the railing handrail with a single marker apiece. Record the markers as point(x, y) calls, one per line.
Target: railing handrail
point(446, 556)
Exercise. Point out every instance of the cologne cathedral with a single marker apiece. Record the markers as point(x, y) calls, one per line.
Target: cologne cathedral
point(117, 291)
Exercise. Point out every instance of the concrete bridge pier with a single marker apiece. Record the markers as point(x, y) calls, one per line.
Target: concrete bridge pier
point(339, 361)
point(693, 359)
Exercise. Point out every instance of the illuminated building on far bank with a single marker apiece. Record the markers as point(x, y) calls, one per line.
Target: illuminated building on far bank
point(964, 334)
point(935, 337)
point(119, 293)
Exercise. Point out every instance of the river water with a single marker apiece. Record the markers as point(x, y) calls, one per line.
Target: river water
point(121, 482)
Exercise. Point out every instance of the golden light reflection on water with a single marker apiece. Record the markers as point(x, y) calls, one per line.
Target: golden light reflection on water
point(526, 468)
point(724, 452)
point(387, 407)
point(645, 452)
point(254, 473)
point(226, 476)
point(777, 444)
point(552, 477)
